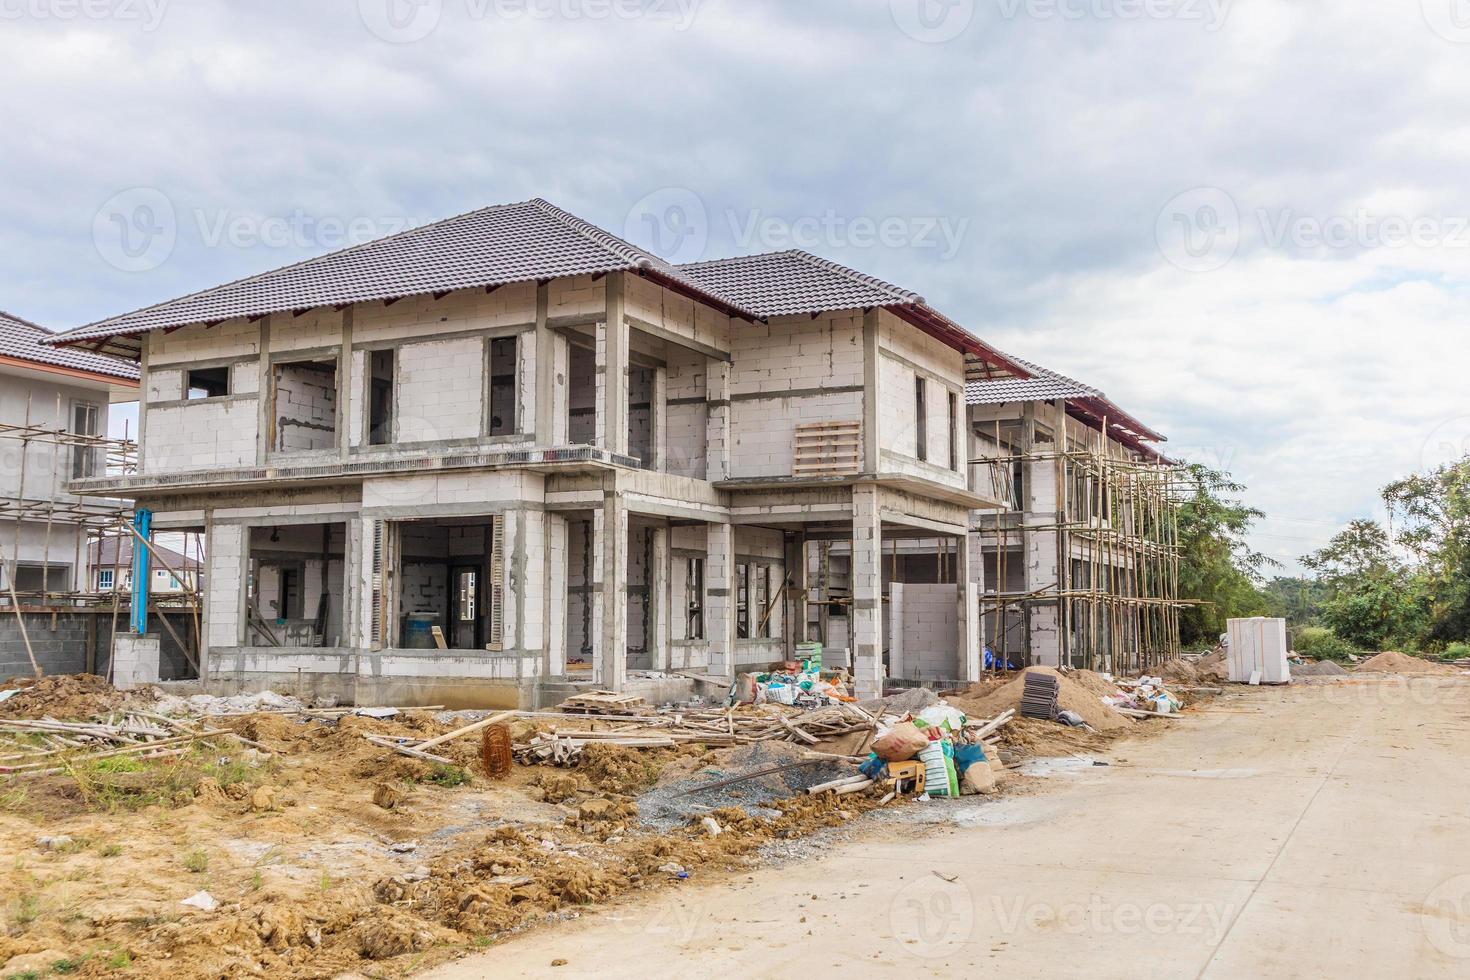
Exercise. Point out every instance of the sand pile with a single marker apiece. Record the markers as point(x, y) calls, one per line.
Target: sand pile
point(1081, 691)
point(65, 697)
point(1321, 668)
point(1393, 662)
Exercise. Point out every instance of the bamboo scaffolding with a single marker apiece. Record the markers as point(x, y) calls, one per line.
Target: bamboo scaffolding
point(1115, 525)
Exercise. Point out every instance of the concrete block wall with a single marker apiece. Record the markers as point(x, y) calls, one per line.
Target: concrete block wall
point(224, 602)
point(459, 312)
point(210, 434)
point(581, 395)
point(678, 315)
point(687, 413)
point(576, 296)
point(440, 390)
point(792, 371)
point(306, 408)
point(923, 626)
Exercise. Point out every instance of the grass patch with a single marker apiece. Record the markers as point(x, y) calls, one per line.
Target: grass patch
point(120, 960)
point(447, 775)
point(110, 850)
point(14, 798)
point(196, 861)
point(27, 909)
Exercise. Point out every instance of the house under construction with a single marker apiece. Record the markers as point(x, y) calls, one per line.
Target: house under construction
point(508, 456)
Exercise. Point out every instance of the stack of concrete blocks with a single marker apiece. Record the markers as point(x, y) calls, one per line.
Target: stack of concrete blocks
point(1257, 651)
point(134, 660)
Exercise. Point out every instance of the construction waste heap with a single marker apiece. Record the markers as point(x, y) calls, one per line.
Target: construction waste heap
point(206, 836)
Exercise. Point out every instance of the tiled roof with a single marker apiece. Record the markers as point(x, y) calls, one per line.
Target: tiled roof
point(1043, 385)
point(533, 240)
point(1047, 385)
point(22, 340)
point(494, 246)
point(789, 283)
point(105, 554)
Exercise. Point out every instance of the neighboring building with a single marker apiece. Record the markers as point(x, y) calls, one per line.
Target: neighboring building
point(573, 462)
point(111, 560)
point(53, 427)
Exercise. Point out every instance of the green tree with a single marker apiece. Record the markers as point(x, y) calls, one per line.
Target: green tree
point(1296, 599)
point(1374, 598)
point(1217, 567)
point(1432, 514)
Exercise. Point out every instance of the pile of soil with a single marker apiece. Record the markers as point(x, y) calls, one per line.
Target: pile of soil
point(65, 697)
point(1320, 668)
point(1393, 662)
point(1081, 691)
point(1215, 666)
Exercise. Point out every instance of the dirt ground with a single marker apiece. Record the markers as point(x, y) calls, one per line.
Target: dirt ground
point(1315, 830)
point(329, 855)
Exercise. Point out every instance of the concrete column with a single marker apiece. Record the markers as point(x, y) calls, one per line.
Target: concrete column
point(530, 576)
point(560, 409)
point(555, 615)
point(796, 571)
point(595, 597)
point(894, 628)
point(659, 419)
point(658, 600)
point(866, 617)
point(543, 354)
point(612, 371)
point(967, 618)
point(612, 672)
point(717, 426)
point(872, 446)
point(719, 609)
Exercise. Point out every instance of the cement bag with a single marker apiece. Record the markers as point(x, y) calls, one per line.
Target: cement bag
point(939, 774)
point(978, 779)
point(903, 743)
point(746, 689)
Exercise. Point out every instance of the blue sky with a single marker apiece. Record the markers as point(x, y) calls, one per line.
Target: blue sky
point(1246, 221)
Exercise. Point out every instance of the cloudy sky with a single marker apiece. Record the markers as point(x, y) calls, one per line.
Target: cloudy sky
point(1248, 221)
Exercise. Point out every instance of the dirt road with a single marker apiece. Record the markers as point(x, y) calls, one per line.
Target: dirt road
point(1303, 832)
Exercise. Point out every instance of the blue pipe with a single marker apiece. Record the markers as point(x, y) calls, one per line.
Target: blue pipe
point(143, 524)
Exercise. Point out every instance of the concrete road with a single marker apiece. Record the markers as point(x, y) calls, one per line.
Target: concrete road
point(1312, 831)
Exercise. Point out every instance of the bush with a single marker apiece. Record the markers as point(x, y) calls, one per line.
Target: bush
point(1456, 651)
point(1320, 643)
